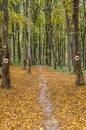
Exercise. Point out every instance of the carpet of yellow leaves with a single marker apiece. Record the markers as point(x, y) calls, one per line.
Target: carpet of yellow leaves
point(68, 100)
point(19, 106)
point(21, 110)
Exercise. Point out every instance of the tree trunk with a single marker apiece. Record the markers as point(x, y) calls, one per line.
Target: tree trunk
point(64, 51)
point(40, 45)
point(24, 50)
point(29, 49)
point(1, 52)
point(48, 31)
point(18, 45)
point(5, 66)
point(84, 33)
point(68, 42)
point(13, 29)
point(79, 73)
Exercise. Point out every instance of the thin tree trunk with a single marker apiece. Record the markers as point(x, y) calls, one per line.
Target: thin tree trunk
point(40, 45)
point(68, 42)
point(13, 28)
point(29, 42)
point(64, 52)
point(18, 45)
point(24, 50)
point(1, 52)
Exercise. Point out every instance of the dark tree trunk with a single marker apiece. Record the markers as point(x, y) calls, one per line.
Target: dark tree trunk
point(44, 51)
point(84, 35)
point(83, 43)
point(47, 43)
point(24, 50)
point(48, 31)
point(64, 52)
point(69, 36)
point(59, 61)
point(5, 66)
point(40, 45)
point(59, 52)
point(18, 45)
point(68, 42)
point(29, 41)
point(54, 52)
point(79, 73)
point(1, 52)
point(13, 28)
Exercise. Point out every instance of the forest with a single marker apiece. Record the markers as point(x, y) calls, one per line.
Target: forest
point(43, 64)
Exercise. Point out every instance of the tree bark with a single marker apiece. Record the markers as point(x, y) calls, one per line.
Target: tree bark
point(14, 52)
point(68, 42)
point(24, 50)
point(5, 66)
point(79, 73)
point(40, 45)
point(29, 42)
point(84, 37)
point(18, 45)
point(48, 31)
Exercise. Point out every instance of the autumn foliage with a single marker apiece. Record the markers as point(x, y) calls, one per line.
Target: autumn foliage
point(20, 108)
point(68, 100)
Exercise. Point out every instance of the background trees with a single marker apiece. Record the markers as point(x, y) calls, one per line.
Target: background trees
point(46, 33)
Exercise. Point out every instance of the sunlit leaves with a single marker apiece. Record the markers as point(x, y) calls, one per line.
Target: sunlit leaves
point(19, 107)
point(68, 100)
point(18, 18)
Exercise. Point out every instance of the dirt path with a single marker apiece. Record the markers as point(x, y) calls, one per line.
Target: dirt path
point(43, 100)
point(50, 122)
point(68, 101)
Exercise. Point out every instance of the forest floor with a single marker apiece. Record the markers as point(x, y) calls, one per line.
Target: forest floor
point(43, 100)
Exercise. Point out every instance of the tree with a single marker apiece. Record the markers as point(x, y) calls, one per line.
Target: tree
point(68, 26)
point(6, 55)
point(48, 13)
point(29, 46)
point(79, 73)
point(84, 39)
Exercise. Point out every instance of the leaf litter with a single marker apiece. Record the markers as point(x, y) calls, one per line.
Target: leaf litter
point(68, 100)
point(21, 110)
point(19, 106)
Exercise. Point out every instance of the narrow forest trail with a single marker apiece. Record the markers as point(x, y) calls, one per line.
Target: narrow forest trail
point(43, 100)
point(50, 122)
point(67, 102)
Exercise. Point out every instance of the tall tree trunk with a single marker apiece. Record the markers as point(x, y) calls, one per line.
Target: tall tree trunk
point(6, 55)
point(18, 45)
point(84, 37)
point(24, 50)
point(83, 44)
point(40, 45)
point(68, 42)
point(79, 73)
point(47, 43)
point(1, 52)
point(13, 29)
point(29, 42)
point(64, 51)
point(54, 52)
point(48, 31)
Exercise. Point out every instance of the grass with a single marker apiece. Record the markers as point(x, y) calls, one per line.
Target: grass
point(63, 70)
